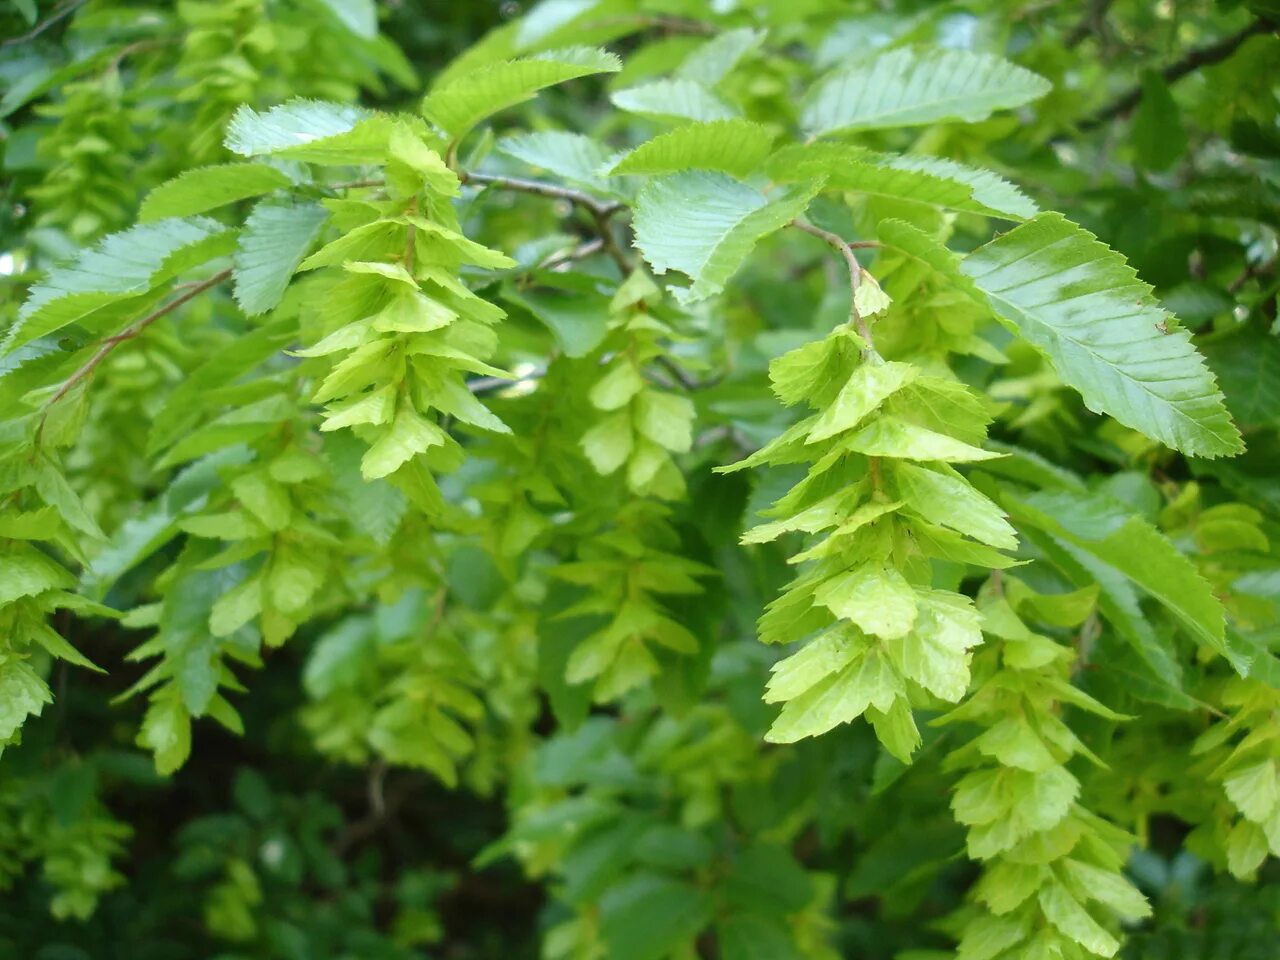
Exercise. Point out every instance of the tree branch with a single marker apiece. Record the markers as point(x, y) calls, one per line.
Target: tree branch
point(128, 333)
point(599, 210)
point(593, 205)
point(1199, 57)
point(845, 249)
point(60, 12)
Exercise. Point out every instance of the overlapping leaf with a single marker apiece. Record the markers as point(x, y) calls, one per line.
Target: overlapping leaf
point(906, 88)
point(1083, 306)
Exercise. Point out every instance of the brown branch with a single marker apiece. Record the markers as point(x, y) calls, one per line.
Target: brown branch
point(600, 209)
point(128, 333)
point(845, 249)
point(1199, 57)
point(60, 12)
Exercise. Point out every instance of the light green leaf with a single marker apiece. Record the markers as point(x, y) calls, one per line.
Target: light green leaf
point(358, 16)
point(935, 654)
point(166, 732)
point(731, 146)
point(840, 698)
point(608, 444)
point(674, 100)
point(275, 238)
point(1085, 309)
point(818, 659)
point(666, 419)
point(892, 437)
point(1255, 790)
point(869, 299)
point(122, 266)
point(947, 499)
point(705, 224)
point(207, 188)
point(27, 572)
point(469, 98)
point(22, 694)
point(312, 131)
point(570, 156)
point(874, 598)
point(869, 386)
point(408, 436)
point(1074, 921)
point(917, 178)
point(906, 87)
point(712, 61)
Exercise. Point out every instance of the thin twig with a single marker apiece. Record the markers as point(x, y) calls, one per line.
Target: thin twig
point(353, 184)
point(128, 333)
point(594, 205)
point(560, 260)
point(845, 249)
point(1093, 21)
point(60, 12)
point(1199, 57)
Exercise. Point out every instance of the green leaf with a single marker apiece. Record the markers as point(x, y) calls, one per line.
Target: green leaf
point(166, 732)
point(122, 266)
point(647, 916)
point(275, 238)
point(1073, 920)
point(1247, 364)
point(570, 156)
point(674, 100)
point(1159, 138)
point(469, 98)
point(311, 131)
point(751, 937)
point(737, 147)
point(874, 598)
point(27, 572)
point(207, 188)
point(22, 694)
point(1128, 543)
point(867, 388)
point(1084, 308)
point(947, 499)
point(712, 61)
point(358, 16)
point(705, 225)
point(408, 436)
point(916, 178)
point(892, 437)
point(905, 87)
point(841, 697)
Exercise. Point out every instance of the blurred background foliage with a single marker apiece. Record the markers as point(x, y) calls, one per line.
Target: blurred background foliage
point(1160, 136)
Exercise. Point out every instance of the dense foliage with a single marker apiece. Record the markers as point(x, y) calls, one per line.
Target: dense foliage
point(630, 479)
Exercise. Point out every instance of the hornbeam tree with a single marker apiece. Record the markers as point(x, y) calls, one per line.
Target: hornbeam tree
point(640, 480)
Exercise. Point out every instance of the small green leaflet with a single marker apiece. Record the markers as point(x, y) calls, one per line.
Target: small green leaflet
point(674, 100)
point(122, 266)
point(732, 146)
point(275, 238)
point(705, 224)
point(207, 188)
point(905, 88)
point(469, 98)
point(1084, 308)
